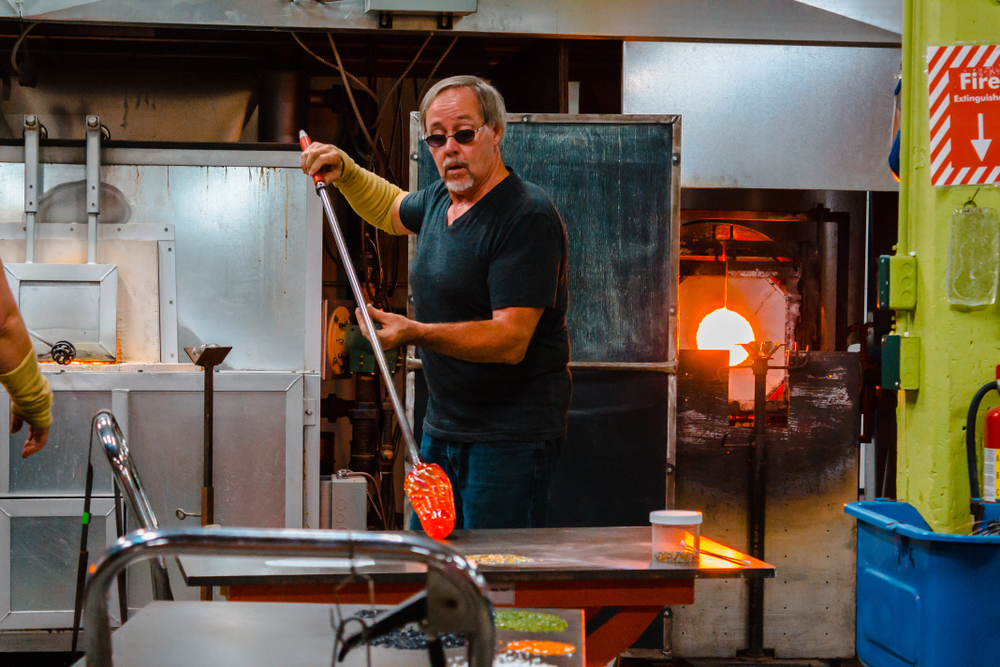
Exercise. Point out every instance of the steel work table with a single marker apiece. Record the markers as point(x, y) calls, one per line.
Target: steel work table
point(571, 568)
point(262, 634)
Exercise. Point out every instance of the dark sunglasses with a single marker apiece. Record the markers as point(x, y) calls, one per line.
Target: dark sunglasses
point(462, 136)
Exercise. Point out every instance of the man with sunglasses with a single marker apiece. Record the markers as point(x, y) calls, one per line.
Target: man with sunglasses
point(489, 294)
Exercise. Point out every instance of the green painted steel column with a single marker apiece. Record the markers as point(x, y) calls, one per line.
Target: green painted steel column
point(958, 350)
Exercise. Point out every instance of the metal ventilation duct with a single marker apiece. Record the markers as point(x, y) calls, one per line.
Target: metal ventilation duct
point(771, 115)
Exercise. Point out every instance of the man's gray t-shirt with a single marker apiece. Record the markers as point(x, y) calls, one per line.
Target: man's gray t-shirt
point(508, 250)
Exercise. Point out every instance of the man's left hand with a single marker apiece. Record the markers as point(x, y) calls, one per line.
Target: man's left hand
point(396, 330)
point(37, 437)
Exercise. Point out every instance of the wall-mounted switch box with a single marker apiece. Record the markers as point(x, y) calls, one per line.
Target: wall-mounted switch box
point(349, 504)
point(897, 282)
point(909, 362)
point(900, 362)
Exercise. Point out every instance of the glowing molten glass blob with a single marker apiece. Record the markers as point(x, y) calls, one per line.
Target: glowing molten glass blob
point(429, 490)
point(723, 329)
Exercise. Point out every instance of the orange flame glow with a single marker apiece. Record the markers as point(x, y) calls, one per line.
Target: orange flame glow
point(724, 329)
point(78, 362)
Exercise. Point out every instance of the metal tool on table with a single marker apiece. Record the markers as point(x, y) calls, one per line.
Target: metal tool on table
point(66, 301)
point(426, 485)
point(455, 600)
point(718, 554)
point(207, 356)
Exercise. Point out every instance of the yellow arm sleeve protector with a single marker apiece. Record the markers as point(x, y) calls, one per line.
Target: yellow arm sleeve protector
point(370, 195)
point(30, 394)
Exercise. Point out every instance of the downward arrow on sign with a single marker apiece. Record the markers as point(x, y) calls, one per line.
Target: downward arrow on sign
point(981, 145)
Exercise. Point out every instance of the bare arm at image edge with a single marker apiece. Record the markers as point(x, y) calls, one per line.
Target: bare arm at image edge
point(30, 394)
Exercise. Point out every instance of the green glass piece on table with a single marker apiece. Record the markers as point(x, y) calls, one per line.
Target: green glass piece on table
point(528, 621)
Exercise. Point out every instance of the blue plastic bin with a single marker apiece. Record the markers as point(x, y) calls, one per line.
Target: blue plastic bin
point(925, 599)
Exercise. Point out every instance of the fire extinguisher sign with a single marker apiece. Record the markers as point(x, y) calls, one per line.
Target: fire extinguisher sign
point(964, 88)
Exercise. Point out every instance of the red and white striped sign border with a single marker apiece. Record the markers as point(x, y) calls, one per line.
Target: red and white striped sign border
point(941, 60)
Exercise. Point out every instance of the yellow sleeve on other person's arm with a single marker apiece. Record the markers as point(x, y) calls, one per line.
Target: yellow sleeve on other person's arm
point(30, 394)
point(370, 195)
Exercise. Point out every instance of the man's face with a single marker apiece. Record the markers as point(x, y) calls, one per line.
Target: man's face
point(462, 167)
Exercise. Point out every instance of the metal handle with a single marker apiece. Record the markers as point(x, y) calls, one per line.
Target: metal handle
point(338, 236)
point(456, 593)
point(116, 450)
point(127, 477)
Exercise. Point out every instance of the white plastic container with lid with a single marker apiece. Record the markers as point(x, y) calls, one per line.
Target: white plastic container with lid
point(676, 535)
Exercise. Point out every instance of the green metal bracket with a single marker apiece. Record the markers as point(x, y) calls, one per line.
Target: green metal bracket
point(890, 361)
point(883, 282)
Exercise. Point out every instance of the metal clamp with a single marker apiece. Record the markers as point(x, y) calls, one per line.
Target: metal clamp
point(456, 594)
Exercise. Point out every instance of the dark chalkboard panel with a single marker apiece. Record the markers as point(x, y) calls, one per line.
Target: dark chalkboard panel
point(612, 180)
point(612, 468)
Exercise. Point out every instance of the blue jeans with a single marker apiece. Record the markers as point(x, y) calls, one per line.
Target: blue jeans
point(502, 484)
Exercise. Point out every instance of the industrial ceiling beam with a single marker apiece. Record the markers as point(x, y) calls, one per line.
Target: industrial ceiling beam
point(814, 21)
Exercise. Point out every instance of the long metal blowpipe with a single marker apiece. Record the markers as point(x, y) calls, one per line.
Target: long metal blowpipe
point(411, 442)
point(426, 485)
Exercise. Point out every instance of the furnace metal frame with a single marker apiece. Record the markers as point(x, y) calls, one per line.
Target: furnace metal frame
point(238, 237)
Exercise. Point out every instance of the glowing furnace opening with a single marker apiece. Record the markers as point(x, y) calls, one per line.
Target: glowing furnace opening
point(724, 329)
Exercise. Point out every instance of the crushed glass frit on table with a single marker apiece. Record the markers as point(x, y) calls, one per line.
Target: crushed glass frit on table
point(497, 559)
point(409, 637)
point(674, 556)
point(528, 621)
point(505, 659)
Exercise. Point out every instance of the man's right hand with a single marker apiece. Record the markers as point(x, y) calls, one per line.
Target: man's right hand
point(323, 159)
point(37, 437)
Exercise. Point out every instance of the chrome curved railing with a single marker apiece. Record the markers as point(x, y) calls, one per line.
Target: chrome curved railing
point(456, 593)
point(116, 449)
